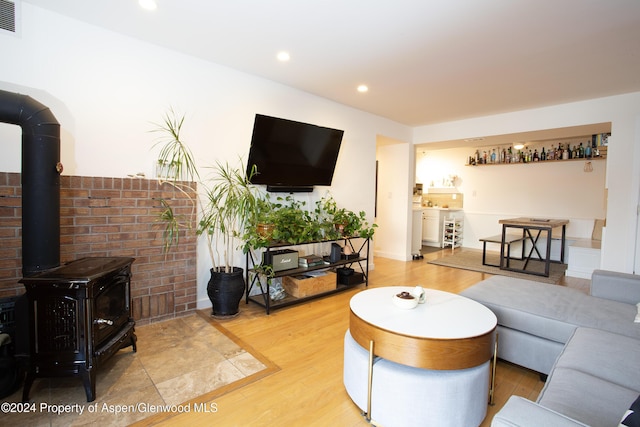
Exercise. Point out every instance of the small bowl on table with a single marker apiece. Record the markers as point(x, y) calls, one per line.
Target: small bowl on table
point(405, 300)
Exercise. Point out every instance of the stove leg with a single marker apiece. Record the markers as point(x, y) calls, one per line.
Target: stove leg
point(89, 382)
point(28, 382)
point(134, 340)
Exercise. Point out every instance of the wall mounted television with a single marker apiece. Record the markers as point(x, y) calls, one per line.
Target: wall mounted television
point(292, 156)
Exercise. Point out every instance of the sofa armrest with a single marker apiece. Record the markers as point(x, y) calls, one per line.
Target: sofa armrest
point(521, 412)
point(621, 287)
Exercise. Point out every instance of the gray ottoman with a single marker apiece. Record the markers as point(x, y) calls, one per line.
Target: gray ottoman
point(406, 396)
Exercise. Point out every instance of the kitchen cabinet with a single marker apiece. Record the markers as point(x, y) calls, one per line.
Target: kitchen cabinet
point(431, 227)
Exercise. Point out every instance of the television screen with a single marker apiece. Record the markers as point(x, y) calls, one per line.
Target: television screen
point(292, 156)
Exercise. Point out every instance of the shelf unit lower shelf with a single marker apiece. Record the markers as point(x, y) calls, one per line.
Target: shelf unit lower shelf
point(290, 300)
point(263, 299)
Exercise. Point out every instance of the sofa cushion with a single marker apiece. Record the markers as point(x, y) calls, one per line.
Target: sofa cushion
point(632, 416)
point(583, 397)
point(608, 356)
point(521, 412)
point(551, 311)
point(595, 378)
point(616, 286)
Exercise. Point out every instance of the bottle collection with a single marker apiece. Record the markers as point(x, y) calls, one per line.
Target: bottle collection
point(581, 150)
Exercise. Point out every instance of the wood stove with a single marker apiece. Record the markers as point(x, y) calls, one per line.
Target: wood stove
point(80, 315)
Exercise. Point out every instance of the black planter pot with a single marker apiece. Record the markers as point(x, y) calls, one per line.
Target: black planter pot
point(225, 291)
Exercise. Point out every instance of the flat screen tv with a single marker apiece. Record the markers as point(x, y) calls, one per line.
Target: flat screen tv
point(292, 156)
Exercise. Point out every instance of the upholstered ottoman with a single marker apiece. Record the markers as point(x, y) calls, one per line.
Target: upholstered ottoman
point(406, 396)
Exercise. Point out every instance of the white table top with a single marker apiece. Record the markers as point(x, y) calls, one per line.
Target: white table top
point(443, 316)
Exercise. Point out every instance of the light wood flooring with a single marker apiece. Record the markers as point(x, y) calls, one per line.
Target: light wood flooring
point(304, 344)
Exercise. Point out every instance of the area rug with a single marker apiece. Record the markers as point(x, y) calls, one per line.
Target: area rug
point(470, 259)
point(181, 365)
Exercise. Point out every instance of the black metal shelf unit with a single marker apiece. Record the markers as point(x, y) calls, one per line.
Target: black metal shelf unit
point(252, 276)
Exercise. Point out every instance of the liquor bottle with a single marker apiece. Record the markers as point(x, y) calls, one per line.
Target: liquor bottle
point(581, 151)
point(493, 156)
point(543, 155)
point(536, 157)
point(587, 150)
point(503, 156)
point(574, 153)
point(509, 156)
point(551, 153)
point(565, 153)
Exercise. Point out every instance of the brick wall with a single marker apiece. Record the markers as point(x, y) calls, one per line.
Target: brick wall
point(111, 217)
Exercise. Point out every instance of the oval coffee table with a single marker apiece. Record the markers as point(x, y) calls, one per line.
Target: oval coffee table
point(443, 347)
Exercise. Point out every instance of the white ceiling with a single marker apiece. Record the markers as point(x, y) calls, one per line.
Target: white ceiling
point(425, 61)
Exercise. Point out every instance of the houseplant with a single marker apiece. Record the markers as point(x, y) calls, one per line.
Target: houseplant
point(291, 222)
point(225, 203)
point(342, 222)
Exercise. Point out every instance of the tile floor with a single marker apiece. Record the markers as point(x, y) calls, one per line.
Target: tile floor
point(177, 360)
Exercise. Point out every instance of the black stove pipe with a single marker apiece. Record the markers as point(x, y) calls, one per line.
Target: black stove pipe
point(41, 170)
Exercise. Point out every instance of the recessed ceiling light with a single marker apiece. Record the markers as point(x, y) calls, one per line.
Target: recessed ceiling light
point(363, 88)
point(148, 4)
point(283, 56)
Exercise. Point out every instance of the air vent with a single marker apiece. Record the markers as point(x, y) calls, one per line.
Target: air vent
point(8, 16)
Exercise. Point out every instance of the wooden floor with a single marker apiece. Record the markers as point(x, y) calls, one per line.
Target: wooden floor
point(304, 344)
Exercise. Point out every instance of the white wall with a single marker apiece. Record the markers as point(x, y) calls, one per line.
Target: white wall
point(622, 171)
point(395, 181)
point(544, 189)
point(106, 90)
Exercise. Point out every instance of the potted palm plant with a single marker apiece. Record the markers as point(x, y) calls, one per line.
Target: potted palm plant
point(230, 202)
point(226, 202)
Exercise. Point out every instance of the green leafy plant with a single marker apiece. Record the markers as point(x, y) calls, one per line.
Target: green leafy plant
point(230, 205)
point(340, 222)
point(173, 225)
point(293, 223)
point(175, 160)
point(228, 199)
point(176, 168)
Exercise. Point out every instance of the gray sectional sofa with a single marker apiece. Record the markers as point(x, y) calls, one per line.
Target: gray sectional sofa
point(588, 344)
